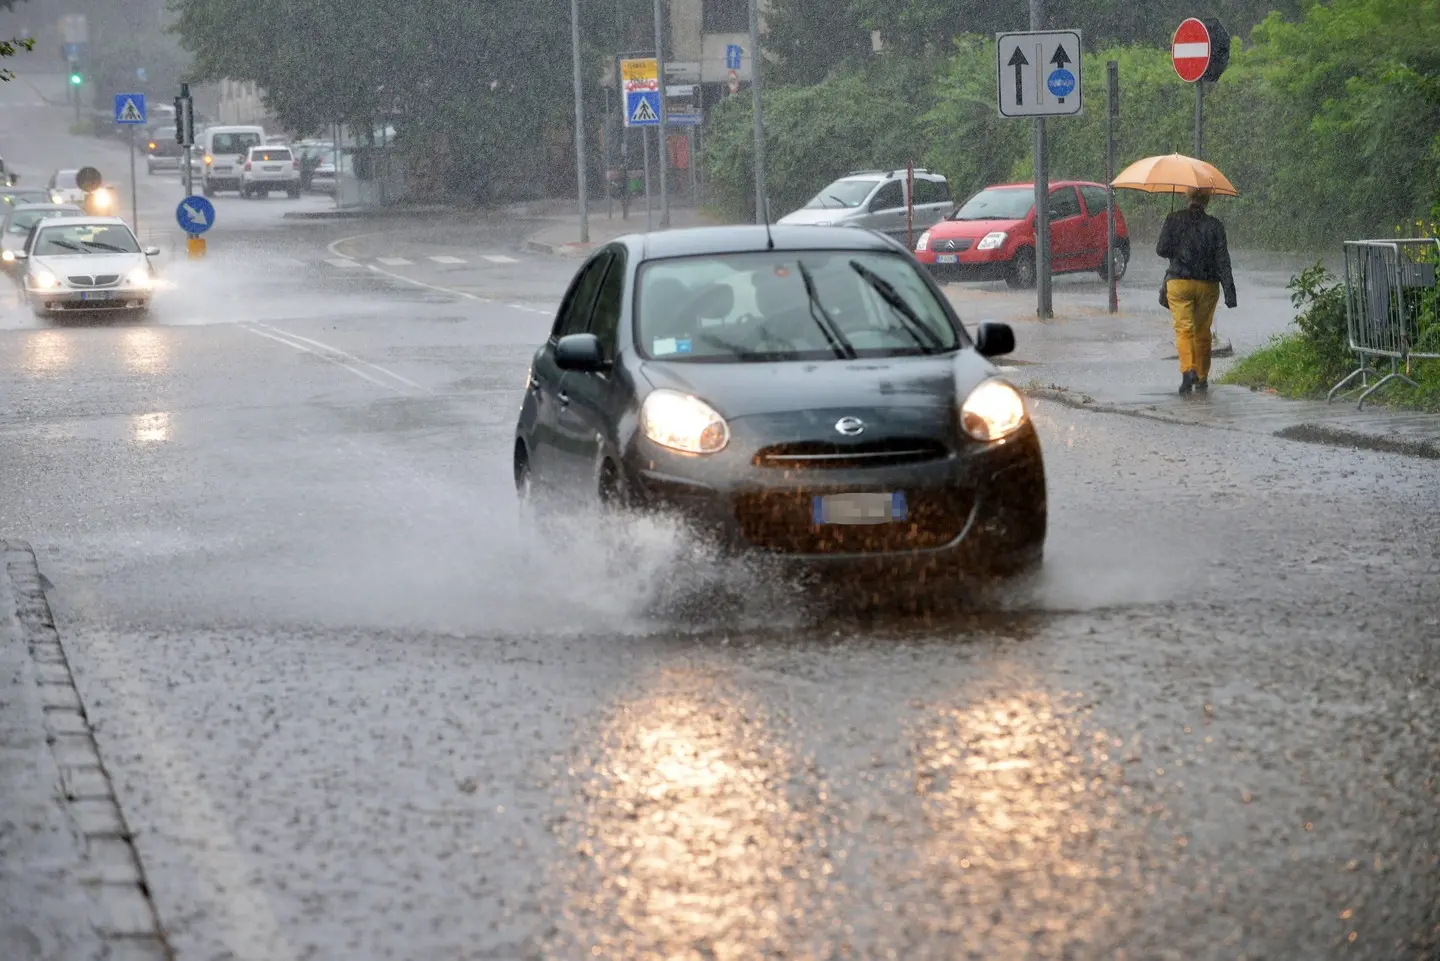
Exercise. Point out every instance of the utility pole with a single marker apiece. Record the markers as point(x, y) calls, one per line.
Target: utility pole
point(580, 177)
point(1112, 112)
point(1044, 309)
point(762, 214)
point(662, 153)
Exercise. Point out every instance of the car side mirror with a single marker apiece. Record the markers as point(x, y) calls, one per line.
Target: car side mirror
point(994, 340)
point(14, 179)
point(581, 353)
point(21, 255)
point(152, 251)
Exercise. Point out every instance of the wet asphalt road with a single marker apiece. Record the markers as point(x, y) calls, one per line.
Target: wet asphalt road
point(352, 710)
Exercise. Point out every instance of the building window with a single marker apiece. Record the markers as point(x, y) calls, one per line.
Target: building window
point(726, 16)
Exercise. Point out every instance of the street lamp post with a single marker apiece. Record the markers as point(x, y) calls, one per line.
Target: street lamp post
point(762, 215)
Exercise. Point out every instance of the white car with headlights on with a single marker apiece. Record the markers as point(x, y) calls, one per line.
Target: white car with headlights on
point(86, 265)
point(802, 392)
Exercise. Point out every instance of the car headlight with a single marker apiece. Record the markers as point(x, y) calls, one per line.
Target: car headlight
point(44, 279)
point(924, 242)
point(992, 241)
point(139, 277)
point(8, 256)
point(57, 198)
point(681, 422)
point(992, 411)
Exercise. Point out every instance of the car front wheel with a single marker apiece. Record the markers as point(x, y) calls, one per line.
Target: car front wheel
point(1021, 275)
point(1120, 258)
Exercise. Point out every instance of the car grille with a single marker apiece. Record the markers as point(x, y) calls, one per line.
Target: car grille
point(820, 455)
point(948, 245)
point(85, 280)
point(782, 521)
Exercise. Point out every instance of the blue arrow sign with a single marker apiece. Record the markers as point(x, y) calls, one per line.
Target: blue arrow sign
point(130, 109)
point(195, 215)
point(733, 53)
point(1061, 84)
point(642, 108)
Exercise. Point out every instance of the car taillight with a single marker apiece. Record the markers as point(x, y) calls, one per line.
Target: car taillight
point(152, 145)
point(247, 165)
point(295, 164)
point(209, 160)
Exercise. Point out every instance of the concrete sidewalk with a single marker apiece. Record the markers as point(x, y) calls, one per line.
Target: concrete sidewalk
point(561, 236)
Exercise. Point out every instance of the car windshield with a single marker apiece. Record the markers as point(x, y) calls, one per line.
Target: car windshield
point(13, 197)
point(998, 203)
point(754, 307)
point(74, 239)
point(271, 155)
point(236, 143)
point(65, 179)
point(22, 220)
point(843, 193)
point(163, 133)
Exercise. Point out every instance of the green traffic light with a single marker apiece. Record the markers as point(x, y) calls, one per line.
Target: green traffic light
point(75, 78)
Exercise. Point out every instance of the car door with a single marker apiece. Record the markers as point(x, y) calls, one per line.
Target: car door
point(544, 398)
point(1067, 230)
point(592, 401)
point(886, 210)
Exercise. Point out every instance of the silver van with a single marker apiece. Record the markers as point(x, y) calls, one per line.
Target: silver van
point(875, 199)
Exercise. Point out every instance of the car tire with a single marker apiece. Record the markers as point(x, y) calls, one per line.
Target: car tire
point(1121, 261)
point(293, 193)
point(1021, 273)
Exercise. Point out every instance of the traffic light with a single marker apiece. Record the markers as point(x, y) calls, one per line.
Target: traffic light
point(76, 77)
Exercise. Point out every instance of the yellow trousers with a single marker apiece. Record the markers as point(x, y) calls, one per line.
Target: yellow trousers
point(1192, 306)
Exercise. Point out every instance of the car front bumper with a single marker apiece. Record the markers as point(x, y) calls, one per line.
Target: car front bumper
point(980, 509)
point(971, 265)
point(87, 301)
point(159, 161)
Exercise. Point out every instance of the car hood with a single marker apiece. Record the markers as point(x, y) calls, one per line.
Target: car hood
point(818, 216)
point(12, 241)
point(824, 387)
point(90, 265)
point(959, 229)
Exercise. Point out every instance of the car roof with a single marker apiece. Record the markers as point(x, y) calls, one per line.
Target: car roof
point(1053, 184)
point(84, 221)
point(746, 238)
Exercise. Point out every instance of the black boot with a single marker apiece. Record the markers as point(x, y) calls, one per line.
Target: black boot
point(1203, 384)
point(1187, 382)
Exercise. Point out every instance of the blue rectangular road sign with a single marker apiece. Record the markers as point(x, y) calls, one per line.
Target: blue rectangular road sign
point(732, 56)
point(682, 120)
point(130, 108)
point(642, 108)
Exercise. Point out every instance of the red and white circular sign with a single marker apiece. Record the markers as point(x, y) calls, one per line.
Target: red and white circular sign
point(1190, 50)
point(732, 80)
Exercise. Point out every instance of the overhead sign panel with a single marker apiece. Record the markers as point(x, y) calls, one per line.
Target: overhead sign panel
point(1038, 73)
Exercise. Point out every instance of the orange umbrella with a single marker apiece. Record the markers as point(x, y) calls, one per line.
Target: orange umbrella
point(1173, 174)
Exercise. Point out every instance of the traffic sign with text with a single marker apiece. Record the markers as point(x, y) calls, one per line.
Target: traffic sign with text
point(1190, 50)
point(130, 109)
point(641, 83)
point(1038, 73)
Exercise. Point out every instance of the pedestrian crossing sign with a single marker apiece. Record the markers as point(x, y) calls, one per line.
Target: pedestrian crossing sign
point(642, 108)
point(130, 108)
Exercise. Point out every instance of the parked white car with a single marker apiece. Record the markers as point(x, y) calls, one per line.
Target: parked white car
point(84, 265)
point(270, 168)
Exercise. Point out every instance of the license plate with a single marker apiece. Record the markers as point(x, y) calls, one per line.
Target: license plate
point(947, 258)
point(272, 170)
point(95, 295)
point(859, 508)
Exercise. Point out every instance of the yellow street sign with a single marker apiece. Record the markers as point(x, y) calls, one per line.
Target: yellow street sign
point(640, 70)
point(195, 246)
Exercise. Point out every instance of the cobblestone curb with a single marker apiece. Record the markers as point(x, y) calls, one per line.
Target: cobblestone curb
point(122, 910)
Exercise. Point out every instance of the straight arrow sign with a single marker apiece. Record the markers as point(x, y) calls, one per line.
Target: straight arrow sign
point(1019, 62)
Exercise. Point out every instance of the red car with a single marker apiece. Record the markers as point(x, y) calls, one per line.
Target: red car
point(992, 235)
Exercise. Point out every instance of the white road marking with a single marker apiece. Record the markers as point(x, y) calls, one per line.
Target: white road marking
point(500, 259)
point(532, 310)
point(447, 259)
point(395, 261)
point(334, 248)
point(343, 262)
point(355, 365)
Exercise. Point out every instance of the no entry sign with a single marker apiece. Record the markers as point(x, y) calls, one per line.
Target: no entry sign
point(1190, 50)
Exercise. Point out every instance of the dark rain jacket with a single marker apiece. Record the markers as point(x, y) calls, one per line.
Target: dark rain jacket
point(1194, 243)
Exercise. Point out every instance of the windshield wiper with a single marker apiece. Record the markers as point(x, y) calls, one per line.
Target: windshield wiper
point(839, 200)
point(913, 324)
point(110, 247)
point(838, 343)
point(64, 243)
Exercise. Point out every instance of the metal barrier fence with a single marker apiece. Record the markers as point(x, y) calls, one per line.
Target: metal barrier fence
point(1391, 309)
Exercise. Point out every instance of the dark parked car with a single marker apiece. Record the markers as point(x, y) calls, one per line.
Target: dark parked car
point(807, 393)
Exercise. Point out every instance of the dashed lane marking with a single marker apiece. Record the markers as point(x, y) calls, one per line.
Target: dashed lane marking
point(395, 261)
point(500, 259)
point(363, 369)
point(343, 262)
point(447, 259)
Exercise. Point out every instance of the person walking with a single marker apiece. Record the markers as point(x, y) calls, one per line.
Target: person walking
point(1194, 243)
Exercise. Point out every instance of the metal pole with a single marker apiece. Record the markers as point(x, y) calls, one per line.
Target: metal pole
point(134, 194)
point(645, 149)
point(1112, 70)
point(694, 178)
point(910, 205)
point(580, 172)
point(761, 213)
point(1199, 120)
point(1042, 195)
point(624, 146)
point(662, 155)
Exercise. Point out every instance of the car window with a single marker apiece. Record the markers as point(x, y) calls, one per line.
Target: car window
point(1097, 200)
point(22, 220)
point(236, 143)
point(754, 307)
point(65, 180)
point(71, 239)
point(931, 191)
point(605, 321)
point(998, 203)
point(1064, 203)
point(163, 133)
point(271, 155)
point(574, 314)
point(13, 197)
point(889, 197)
point(843, 193)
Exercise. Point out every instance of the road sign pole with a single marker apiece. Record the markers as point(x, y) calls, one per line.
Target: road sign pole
point(1199, 120)
point(1042, 194)
point(579, 123)
point(762, 214)
point(910, 205)
point(662, 156)
point(134, 192)
point(645, 151)
point(1112, 73)
point(624, 137)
